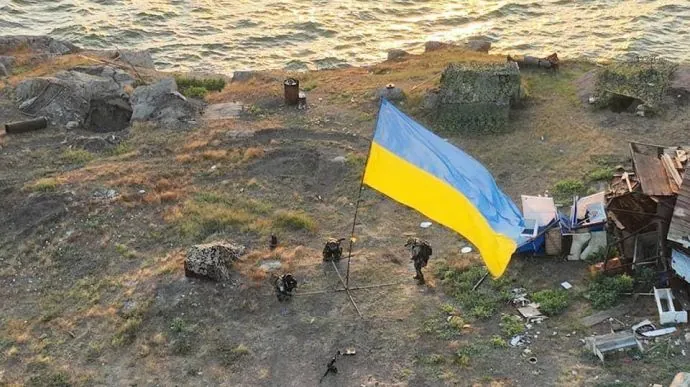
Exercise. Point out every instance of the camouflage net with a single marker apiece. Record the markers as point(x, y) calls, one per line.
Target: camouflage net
point(644, 79)
point(476, 98)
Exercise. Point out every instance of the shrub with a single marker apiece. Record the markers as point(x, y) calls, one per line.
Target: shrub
point(601, 174)
point(498, 341)
point(551, 302)
point(511, 325)
point(565, 189)
point(127, 332)
point(44, 185)
point(76, 156)
point(210, 84)
point(294, 221)
point(194, 92)
point(604, 292)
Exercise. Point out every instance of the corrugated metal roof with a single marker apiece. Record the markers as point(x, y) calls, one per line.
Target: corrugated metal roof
point(679, 230)
point(650, 170)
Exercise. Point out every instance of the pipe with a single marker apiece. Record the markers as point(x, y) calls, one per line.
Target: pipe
point(26, 126)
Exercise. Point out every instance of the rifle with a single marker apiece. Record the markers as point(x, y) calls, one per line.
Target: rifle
point(330, 368)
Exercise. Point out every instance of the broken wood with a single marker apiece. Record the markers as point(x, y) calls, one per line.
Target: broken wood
point(671, 169)
point(604, 315)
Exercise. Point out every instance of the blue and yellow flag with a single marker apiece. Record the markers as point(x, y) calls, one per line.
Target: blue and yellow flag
point(413, 166)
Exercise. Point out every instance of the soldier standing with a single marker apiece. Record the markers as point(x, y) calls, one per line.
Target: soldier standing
point(421, 251)
point(333, 251)
point(284, 285)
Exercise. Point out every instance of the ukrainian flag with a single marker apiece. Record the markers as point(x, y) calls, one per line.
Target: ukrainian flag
point(413, 166)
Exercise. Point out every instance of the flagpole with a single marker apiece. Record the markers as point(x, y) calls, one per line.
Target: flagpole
point(359, 198)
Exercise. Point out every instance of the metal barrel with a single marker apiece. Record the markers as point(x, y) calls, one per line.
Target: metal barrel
point(26, 126)
point(291, 91)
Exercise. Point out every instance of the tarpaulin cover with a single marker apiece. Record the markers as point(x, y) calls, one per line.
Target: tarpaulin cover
point(415, 167)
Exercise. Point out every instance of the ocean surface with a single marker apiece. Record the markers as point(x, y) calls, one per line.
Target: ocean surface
point(227, 35)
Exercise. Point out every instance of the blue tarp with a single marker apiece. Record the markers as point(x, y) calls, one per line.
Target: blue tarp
point(536, 245)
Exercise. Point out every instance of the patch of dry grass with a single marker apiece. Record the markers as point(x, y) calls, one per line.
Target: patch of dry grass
point(253, 153)
point(46, 184)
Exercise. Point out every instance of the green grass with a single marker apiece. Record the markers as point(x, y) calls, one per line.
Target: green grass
point(511, 325)
point(463, 356)
point(124, 251)
point(498, 342)
point(183, 336)
point(551, 302)
point(127, 332)
point(76, 156)
point(605, 292)
point(564, 190)
point(121, 149)
point(50, 380)
point(458, 283)
point(294, 221)
point(47, 184)
point(198, 88)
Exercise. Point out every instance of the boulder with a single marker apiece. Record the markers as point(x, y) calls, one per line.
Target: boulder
point(162, 102)
point(137, 58)
point(585, 86)
point(90, 96)
point(6, 65)
point(478, 43)
point(212, 260)
point(38, 44)
point(397, 54)
point(680, 83)
point(682, 379)
point(434, 46)
point(391, 93)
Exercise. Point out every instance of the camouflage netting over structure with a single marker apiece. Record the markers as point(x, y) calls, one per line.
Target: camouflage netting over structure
point(476, 97)
point(644, 80)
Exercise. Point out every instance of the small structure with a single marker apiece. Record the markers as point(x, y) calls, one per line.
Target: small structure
point(476, 97)
point(599, 345)
point(667, 311)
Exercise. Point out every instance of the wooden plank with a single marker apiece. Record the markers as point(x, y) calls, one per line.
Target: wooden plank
point(598, 317)
point(671, 169)
point(652, 175)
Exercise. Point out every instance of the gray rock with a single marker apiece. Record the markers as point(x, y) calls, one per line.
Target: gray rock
point(434, 46)
point(430, 99)
point(479, 44)
point(162, 103)
point(339, 159)
point(397, 54)
point(120, 77)
point(72, 125)
point(390, 93)
point(680, 83)
point(6, 65)
point(223, 111)
point(296, 65)
point(98, 101)
point(37, 44)
point(212, 261)
point(242, 76)
point(136, 58)
point(585, 87)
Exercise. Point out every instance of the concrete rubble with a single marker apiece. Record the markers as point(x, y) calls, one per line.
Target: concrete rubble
point(212, 260)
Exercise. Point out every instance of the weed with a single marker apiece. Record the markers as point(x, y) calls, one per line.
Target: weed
point(121, 149)
point(124, 251)
point(294, 221)
point(76, 156)
point(194, 92)
point(210, 84)
point(498, 342)
point(94, 351)
point(600, 255)
point(178, 325)
point(456, 322)
point(433, 359)
point(464, 355)
point(511, 325)
point(448, 308)
point(47, 184)
point(564, 190)
point(458, 282)
point(645, 278)
point(601, 174)
point(551, 302)
point(127, 332)
point(183, 337)
point(604, 292)
point(229, 356)
point(51, 380)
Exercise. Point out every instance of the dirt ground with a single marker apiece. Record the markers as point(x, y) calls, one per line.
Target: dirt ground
point(93, 292)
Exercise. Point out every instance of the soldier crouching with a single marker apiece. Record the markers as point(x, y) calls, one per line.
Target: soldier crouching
point(421, 251)
point(284, 285)
point(332, 251)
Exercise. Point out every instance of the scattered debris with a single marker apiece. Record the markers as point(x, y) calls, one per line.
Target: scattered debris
point(642, 327)
point(212, 260)
point(604, 315)
point(659, 332)
point(26, 126)
point(666, 309)
point(519, 340)
point(349, 352)
point(466, 250)
point(270, 265)
point(425, 224)
point(532, 360)
point(599, 345)
point(531, 313)
point(519, 297)
point(566, 285)
point(550, 62)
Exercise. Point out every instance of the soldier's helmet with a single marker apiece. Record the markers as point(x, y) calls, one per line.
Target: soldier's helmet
point(412, 242)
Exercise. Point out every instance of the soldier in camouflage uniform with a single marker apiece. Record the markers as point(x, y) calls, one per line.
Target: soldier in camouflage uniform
point(284, 285)
point(421, 251)
point(332, 251)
